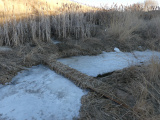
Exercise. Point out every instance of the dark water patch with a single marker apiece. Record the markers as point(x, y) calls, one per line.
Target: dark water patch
point(105, 74)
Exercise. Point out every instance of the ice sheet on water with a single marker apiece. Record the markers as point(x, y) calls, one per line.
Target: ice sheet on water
point(55, 41)
point(39, 93)
point(4, 48)
point(107, 61)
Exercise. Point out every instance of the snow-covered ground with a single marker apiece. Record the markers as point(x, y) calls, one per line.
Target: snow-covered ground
point(107, 61)
point(39, 94)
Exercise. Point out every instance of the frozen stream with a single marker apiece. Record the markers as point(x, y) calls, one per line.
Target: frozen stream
point(40, 94)
point(107, 61)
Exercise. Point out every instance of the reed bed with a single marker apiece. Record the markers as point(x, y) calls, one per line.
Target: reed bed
point(40, 23)
point(33, 22)
point(36, 22)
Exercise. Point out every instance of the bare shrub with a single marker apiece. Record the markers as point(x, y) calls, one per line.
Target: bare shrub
point(123, 25)
point(153, 28)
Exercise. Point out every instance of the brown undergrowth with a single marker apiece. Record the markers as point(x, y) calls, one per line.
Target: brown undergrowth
point(129, 29)
point(138, 85)
point(89, 33)
point(17, 58)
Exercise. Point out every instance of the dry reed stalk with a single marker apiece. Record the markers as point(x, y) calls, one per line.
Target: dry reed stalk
point(17, 30)
point(123, 25)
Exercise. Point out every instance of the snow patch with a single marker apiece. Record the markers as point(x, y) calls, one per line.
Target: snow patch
point(3, 49)
point(39, 93)
point(107, 61)
point(116, 49)
point(55, 41)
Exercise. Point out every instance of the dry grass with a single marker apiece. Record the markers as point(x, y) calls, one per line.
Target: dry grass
point(153, 30)
point(62, 19)
point(15, 32)
point(148, 103)
point(39, 22)
point(123, 25)
point(19, 7)
point(36, 24)
point(137, 86)
point(131, 29)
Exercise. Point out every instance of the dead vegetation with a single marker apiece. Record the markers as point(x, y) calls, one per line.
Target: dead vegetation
point(126, 27)
point(87, 31)
point(137, 86)
point(131, 93)
point(68, 19)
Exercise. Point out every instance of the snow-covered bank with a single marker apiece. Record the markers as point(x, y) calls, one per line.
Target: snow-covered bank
point(40, 94)
point(107, 61)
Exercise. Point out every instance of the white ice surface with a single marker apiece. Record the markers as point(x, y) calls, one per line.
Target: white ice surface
point(116, 49)
point(39, 94)
point(4, 48)
point(107, 61)
point(55, 41)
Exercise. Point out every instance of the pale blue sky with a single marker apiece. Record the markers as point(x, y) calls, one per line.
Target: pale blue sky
point(109, 2)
